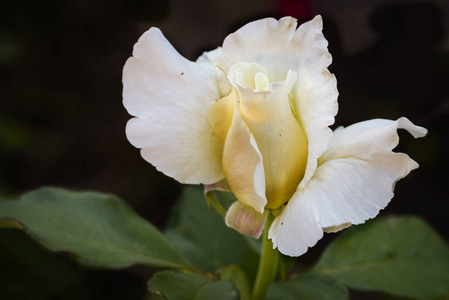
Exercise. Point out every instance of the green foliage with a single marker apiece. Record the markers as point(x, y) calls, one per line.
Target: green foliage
point(219, 290)
point(14, 135)
point(402, 256)
point(183, 286)
point(238, 278)
point(11, 49)
point(201, 235)
point(176, 285)
point(308, 287)
point(28, 271)
point(99, 230)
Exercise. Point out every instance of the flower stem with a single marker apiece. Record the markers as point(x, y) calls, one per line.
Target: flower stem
point(268, 264)
point(212, 200)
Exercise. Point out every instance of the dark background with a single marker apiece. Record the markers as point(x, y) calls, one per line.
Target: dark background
point(62, 121)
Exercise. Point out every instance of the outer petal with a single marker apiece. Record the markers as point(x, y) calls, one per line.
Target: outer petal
point(170, 95)
point(363, 154)
point(316, 91)
point(265, 42)
point(354, 180)
point(210, 56)
point(296, 228)
point(242, 164)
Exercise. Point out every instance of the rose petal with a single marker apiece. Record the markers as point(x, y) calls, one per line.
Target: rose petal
point(296, 228)
point(357, 174)
point(354, 180)
point(265, 42)
point(278, 47)
point(221, 113)
point(279, 136)
point(242, 164)
point(170, 95)
point(316, 91)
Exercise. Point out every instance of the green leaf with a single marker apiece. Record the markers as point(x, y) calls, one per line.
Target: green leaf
point(201, 235)
point(220, 290)
point(99, 230)
point(238, 278)
point(308, 287)
point(402, 256)
point(186, 286)
point(28, 271)
point(175, 285)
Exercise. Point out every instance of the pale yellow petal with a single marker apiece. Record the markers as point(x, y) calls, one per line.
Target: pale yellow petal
point(242, 165)
point(279, 136)
point(221, 113)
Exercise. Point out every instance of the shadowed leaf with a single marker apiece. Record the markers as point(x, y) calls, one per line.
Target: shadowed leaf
point(402, 256)
point(99, 230)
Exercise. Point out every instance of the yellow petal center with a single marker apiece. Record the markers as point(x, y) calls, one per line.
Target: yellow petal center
point(267, 112)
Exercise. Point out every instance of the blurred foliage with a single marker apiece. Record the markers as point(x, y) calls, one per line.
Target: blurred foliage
point(183, 286)
point(11, 50)
point(401, 256)
point(398, 255)
point(309, 286)
point(30, 272)
point(199, 232)
point(99, 230)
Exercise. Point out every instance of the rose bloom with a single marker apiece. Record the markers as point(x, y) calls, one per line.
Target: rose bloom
point(256, 113)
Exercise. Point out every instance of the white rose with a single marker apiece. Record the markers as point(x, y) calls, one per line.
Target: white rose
point(256, 113)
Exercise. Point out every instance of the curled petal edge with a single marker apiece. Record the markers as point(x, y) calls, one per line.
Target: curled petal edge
point(329, 202)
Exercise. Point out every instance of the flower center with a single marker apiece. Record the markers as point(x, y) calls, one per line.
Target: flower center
point(267, 111)
point(260, 81)
point(249, 75)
